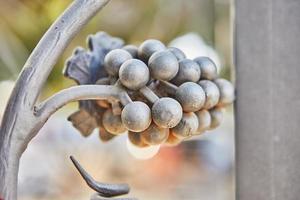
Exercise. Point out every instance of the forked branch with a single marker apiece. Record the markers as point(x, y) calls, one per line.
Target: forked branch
point(54, 42)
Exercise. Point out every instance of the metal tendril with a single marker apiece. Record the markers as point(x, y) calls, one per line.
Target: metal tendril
point(102, 189)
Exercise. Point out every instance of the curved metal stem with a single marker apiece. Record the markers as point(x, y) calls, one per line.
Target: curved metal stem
point(104, 189)
point(75, 93)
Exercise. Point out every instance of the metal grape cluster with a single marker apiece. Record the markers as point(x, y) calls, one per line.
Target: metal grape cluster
point(172, 98)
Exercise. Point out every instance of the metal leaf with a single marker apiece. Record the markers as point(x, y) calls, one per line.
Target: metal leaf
point(102, 41)
point(104, 135)
point(83, 121)
point(100, 44)
point(87, 67)
point(77, 67)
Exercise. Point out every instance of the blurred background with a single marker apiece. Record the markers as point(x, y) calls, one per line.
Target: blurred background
point(202, 168)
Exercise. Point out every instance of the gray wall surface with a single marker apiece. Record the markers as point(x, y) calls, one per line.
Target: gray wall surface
point(267, 59)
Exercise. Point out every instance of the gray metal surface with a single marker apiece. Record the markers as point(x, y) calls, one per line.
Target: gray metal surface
point(267, 58)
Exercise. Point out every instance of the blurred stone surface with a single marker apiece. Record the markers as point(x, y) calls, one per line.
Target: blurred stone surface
point(268, 99)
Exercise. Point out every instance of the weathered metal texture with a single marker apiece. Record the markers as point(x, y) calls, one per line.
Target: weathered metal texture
point(267, 46)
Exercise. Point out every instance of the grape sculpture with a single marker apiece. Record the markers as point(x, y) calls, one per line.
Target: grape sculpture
point(168, 98)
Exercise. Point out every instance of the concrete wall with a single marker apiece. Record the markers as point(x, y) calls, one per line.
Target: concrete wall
point(267, 59)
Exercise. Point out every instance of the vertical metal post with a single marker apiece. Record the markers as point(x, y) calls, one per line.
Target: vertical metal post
point(267, 58)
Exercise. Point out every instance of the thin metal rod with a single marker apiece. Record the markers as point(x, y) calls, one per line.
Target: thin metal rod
point(125, 98)
point(149, 94)
point(168, 87)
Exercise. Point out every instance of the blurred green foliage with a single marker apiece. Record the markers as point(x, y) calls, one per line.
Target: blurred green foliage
point(23, 22)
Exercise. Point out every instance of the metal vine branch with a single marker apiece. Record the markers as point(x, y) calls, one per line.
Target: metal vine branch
point(152, 92)
point(19, 123)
